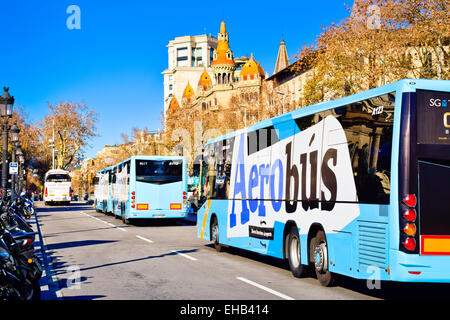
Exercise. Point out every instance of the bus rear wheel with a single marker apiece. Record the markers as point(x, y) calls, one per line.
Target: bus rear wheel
point(215, 235)
point(293, 252)
point(321, 260)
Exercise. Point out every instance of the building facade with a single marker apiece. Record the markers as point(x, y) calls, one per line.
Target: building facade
point(227, 77)
point(187, 58)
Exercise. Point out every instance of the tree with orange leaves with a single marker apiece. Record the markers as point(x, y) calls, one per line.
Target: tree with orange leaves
point(382, 41)
point(74, 127)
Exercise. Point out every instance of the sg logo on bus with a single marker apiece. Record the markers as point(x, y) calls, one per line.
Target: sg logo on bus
point(438, 103)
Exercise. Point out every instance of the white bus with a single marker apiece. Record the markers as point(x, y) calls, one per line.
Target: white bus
point(57, 187)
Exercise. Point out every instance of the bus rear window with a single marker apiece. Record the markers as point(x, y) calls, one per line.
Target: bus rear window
point(433, 117)
point(159, 171)
point(58, 178)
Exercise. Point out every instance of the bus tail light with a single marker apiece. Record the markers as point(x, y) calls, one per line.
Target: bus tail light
point(133, 193)
point(133, 197)
point(410, 200)
point(70, 191)
point(410, 244)
point(133, 206)
point(410, 229)
point(410, 215)
point(46, 192)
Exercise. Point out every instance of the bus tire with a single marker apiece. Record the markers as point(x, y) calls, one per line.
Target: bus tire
point(321, 260)
point(293, 253)
point(215, 235)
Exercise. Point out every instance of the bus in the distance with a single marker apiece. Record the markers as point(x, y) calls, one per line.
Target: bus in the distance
point(57, 187)
point(143, 187)
point(356, 186)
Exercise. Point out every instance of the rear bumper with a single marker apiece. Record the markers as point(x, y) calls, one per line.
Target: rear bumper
point(57, 199)
point(419, 268)
point(157, 214)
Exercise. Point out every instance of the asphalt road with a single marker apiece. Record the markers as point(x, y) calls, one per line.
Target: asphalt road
point(89, 255)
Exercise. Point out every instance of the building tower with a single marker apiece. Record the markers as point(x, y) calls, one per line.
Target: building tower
point(282, 59)
point(223, 63)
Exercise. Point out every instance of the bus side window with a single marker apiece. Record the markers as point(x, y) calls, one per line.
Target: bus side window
point(223, 169)
point(204, 176)
point(369, 138)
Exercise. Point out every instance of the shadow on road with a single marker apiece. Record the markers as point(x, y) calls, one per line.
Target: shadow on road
point(86, 297)
point(387, 290)
point(80, 243)
point(161, 222)
point(139, 259)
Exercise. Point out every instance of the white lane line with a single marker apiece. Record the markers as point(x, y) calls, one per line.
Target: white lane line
point(265, 288)
point(110, 224)
point(184, 255)
point(145, 239)
point(114, 226)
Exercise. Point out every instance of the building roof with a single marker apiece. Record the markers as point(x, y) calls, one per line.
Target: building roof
point(282, 58)
point(224, 54)
point(188, 92)
point(205, 80)
point(174, 105)
point(251, 67)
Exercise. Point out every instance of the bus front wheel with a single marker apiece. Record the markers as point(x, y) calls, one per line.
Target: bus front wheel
point(321, 260)
point(215, 235)
point(293, 250)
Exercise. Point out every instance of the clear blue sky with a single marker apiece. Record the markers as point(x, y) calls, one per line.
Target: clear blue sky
point(114, 62)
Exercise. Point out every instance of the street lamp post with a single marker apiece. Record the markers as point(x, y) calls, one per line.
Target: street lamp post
point(15, 145)
point(21, 161)
point(245, 114)
point(6, 106)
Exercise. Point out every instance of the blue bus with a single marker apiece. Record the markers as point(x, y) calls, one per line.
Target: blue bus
point(355, 186)
point(102, 190)
point(143, 187)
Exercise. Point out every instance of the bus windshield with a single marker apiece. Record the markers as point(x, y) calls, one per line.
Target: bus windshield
point(159, 171)
point(58, 177)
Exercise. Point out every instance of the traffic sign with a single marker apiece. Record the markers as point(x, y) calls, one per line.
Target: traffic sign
point(13, 168)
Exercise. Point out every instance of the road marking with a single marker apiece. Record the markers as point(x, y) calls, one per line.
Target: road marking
point(265, 288)
point(184, 255)
point(110, 224)
point(145, 239)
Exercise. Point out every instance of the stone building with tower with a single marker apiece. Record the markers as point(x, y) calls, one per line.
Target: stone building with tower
point(226, 78)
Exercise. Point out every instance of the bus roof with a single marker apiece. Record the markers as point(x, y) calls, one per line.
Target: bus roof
point(56, 171)
point(143, 157)
point(405, 85)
